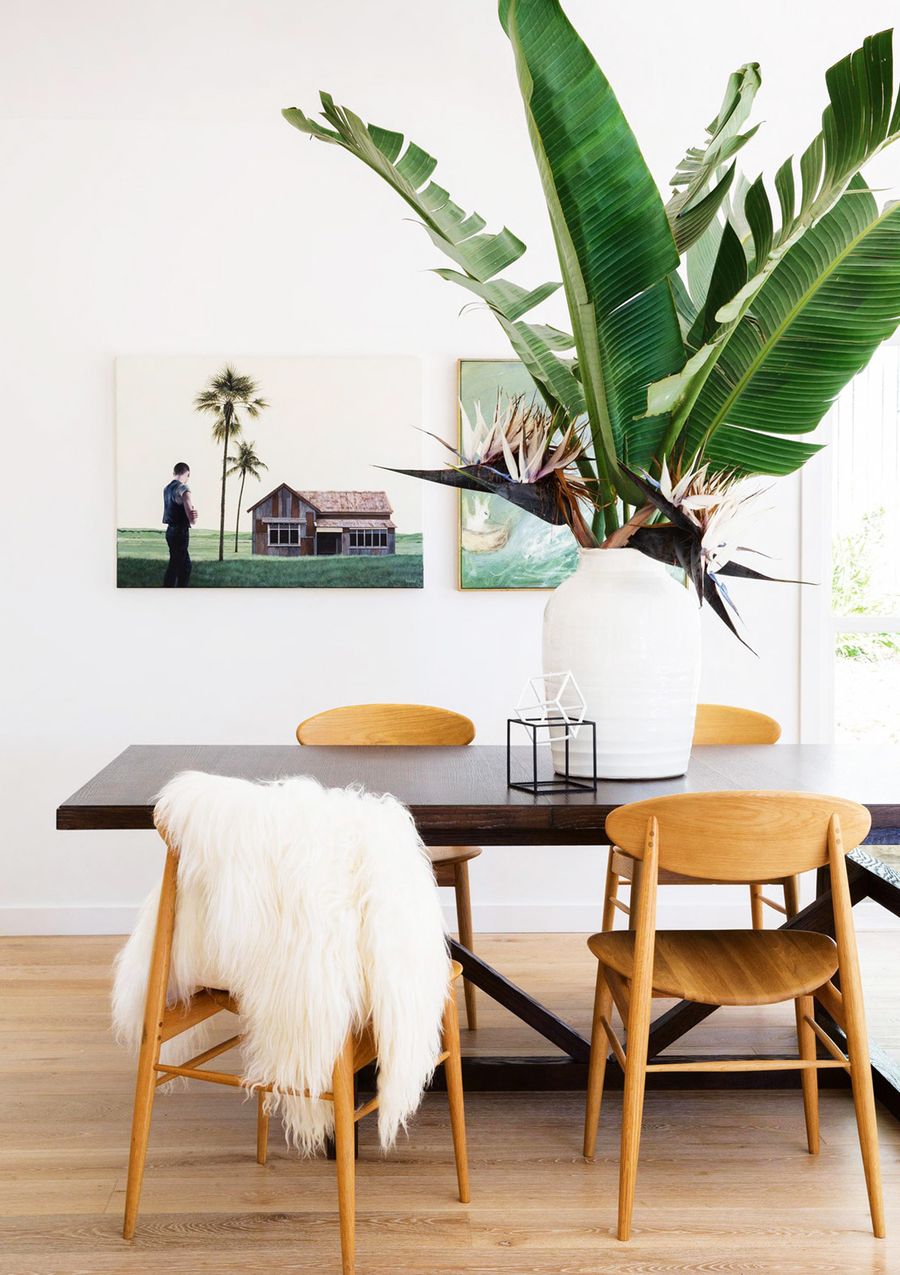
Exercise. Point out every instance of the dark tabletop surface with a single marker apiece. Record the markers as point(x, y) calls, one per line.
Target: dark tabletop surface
point(460, 794)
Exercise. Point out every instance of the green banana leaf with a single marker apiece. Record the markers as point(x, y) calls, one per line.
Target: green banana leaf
point(813, 326)
point(698, 168)
point(408, 168)
point(695, 202)
point(724, 139)
point(612, 236)
point(857, 123)
point(728, 274)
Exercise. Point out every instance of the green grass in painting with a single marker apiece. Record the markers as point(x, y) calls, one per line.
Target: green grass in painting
point(142, 555)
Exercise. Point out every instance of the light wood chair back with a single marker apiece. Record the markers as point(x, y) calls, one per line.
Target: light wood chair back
point(725, 724)
point(411, 725)
point(738, 836)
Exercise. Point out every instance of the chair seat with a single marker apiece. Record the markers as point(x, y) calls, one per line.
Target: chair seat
point(727, 967)
point(445, 855)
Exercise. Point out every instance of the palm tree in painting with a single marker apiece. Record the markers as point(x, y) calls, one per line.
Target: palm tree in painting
point(245, 462)
point(227, 394)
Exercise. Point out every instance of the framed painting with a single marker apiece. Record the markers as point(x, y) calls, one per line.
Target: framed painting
point(249, 473)
point(501, 546)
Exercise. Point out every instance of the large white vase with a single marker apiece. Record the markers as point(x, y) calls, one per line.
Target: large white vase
point(630, 634)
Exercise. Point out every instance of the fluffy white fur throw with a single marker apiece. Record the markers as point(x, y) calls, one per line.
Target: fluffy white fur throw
point(317, 909)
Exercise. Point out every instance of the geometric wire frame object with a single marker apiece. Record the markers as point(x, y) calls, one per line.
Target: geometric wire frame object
point(552, 695)
point(563, 782)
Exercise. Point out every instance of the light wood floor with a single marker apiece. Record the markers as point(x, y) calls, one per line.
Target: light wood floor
point(725, 1185)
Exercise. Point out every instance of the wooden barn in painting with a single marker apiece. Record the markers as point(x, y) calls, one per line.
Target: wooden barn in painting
point(293, 524)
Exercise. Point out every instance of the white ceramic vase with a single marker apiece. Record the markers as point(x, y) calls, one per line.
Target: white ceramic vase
point(630, 634)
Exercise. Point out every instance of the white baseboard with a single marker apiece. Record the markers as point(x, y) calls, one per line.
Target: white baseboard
point(489, 918)
point(583, 918)
point(68, 920)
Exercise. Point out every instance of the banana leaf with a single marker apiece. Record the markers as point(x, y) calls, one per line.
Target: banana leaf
point(813, 326)
point(407, 168)
point(696, 200)
point(857, 123)
point(612, 235)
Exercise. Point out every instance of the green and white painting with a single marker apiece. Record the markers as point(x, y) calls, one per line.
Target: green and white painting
point(501, 546)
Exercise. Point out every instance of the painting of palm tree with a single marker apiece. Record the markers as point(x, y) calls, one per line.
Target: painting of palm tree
point(227, 395)
point(315, 507)
point(245, 462)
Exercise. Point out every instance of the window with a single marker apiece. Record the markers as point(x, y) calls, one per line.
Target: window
point(865, 596)
point(369, 539)
point(284, 533)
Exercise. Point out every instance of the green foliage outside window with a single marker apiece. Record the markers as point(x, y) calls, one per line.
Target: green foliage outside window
point(855, 591)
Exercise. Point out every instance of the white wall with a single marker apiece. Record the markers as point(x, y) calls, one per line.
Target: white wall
point(156, 203)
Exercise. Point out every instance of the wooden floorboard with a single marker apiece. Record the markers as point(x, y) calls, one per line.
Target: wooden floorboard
point(725, 1183)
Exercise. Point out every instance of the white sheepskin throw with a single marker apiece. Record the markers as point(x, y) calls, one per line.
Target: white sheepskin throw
point(317, 910)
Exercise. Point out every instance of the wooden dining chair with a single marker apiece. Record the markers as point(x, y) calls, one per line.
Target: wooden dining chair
point(737, 837)
point(410, 725)
point(163, 1022)
point(714, 724)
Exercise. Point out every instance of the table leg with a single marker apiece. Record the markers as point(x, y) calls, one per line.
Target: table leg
point(569, 1072)
point(518, 1002)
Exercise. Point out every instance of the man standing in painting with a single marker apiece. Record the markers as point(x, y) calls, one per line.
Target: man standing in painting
point(179, 515)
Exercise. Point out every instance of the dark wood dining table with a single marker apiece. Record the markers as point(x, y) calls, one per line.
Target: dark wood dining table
point(460, 795)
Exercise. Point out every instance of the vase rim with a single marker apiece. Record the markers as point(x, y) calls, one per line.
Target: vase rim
point(618, 559)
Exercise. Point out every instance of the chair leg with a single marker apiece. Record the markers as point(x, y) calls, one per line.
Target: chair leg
point(262, 1127)
point(756, 906)
point(344, 1125)
point(864, 1102)
point(466, 935)
point(633, 1105)
point(154, 1014)
point(791, 896)
point(453, 1077)
point(597, 1065)
point(144, 1093)
point(610, 894)
point(809, 1077)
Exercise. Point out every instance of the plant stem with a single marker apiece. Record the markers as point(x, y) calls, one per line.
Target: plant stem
point(611, 505)
point(621, 535)
point(586, 537)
